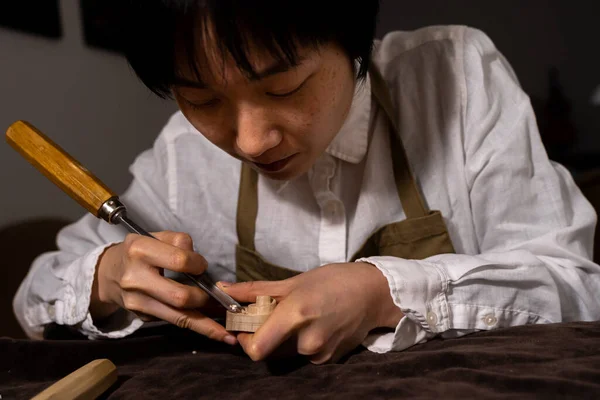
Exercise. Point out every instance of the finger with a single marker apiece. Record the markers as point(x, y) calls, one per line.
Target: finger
point(314, 339)
point(280, 326)
point(188, 319)
point(323, 357)
point(248, 291)
point(245, 340)
point(177, 239)
point(332, 354)
point(163, 289)
point(164, 255)
point(146, 317)
point(286, 350)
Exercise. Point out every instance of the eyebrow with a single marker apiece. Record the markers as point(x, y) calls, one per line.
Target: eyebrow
point(277, 67)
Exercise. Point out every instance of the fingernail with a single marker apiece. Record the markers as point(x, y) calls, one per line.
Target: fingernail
point(230, 340)
point(224, 284)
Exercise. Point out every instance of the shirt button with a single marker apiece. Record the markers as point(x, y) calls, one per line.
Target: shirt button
point(490, 320)
point(431, 318)
point(51, 311)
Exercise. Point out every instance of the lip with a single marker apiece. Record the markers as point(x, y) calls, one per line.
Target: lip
point(275, 166)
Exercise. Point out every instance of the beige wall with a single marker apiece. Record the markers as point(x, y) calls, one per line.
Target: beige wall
point(87, 100)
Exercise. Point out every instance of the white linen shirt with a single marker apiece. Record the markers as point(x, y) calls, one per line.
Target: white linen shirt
point(521, 228)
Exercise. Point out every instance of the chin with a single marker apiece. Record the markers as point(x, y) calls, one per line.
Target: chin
point(279, 175)
point(295, 168)
point(286, 174)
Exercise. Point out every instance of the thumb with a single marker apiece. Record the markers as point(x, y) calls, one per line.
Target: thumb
point(246, 292)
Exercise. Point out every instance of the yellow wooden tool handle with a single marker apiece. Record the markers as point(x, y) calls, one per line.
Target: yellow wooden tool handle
point(58, 166)
point(88, 382)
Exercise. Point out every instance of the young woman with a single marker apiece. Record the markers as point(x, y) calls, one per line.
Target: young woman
point(385, 192)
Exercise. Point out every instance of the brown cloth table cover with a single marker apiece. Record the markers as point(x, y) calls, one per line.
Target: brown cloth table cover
point(535, 361)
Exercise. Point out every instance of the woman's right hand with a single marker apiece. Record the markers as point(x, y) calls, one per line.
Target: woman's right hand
point(129, 275)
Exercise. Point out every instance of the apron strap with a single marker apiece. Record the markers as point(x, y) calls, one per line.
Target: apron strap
point(247, 207)
point(409, 194)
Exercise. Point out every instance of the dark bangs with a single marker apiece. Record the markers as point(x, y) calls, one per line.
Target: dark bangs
point(155, 32)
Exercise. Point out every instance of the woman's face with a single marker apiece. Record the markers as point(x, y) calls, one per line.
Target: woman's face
point(280, 123)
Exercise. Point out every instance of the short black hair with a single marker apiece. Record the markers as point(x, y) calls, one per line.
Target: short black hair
point(149, 31)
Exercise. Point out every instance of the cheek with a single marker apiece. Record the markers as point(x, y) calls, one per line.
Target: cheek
point(320, 106)
point(307, 116)
point(342, 92)
point(329, 104)
point(212, 127)
point(305, 122)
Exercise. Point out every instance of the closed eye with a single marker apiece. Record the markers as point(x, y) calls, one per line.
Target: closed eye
point(287, 94)
point(205, 104)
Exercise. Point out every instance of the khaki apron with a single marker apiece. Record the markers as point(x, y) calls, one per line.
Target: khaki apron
point(422, 234)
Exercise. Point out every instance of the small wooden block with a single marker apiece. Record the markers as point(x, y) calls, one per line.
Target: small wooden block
point(86, 383)
point(251, 317)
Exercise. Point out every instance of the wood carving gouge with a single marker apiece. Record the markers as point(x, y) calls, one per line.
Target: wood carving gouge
point(85, 188)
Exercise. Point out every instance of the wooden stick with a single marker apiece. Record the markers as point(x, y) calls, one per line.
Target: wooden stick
point(58, 166)
point(86, 383)
point(252, 317)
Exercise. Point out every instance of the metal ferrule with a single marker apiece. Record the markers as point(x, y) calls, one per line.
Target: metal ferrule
point(110, 208)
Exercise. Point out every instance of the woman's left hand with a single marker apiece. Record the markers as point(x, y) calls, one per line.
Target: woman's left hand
point(330, 310)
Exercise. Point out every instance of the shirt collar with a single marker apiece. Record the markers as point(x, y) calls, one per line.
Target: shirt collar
point(351, 142)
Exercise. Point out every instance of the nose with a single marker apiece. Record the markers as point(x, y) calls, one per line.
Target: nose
point(255, 132)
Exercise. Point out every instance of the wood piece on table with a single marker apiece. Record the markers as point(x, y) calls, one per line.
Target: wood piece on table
point(86, 383)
